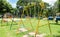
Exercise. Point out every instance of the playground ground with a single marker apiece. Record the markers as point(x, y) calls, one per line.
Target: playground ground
point(43, 28)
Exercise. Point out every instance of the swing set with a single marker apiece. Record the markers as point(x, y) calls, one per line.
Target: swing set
point(28, 19)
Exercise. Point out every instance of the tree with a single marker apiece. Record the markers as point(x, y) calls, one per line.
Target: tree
point(5, 7)
point(57, 6)
point(33, 7)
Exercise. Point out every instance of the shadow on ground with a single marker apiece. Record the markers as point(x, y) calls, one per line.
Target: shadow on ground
point(53, 36)
point(56, 36)
point(54, 23)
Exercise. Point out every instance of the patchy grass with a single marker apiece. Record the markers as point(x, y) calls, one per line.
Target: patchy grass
point(43, 28)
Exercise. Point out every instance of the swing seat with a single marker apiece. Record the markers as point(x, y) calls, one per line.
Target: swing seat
point(57, 18)
point(50, 18)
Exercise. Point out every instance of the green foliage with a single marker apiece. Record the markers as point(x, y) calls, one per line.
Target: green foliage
point(4, 7)
point(57, 6)
point(33, 7)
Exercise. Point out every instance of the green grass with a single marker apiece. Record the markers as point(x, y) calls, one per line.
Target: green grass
point(6, 32)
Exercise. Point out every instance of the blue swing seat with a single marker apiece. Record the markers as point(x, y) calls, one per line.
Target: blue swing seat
point(58, 18)
point(50, 18)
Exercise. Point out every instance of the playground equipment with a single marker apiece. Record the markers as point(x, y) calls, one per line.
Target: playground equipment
point(50, 18)
point(36, 32)
point(57, 19)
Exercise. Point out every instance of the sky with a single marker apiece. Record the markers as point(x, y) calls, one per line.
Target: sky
point(51, 2)
point(13, 2)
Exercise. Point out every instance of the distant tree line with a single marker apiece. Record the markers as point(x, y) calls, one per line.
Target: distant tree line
point(5, 7)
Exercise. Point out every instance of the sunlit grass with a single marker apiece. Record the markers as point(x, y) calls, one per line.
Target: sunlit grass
point(5, 29)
